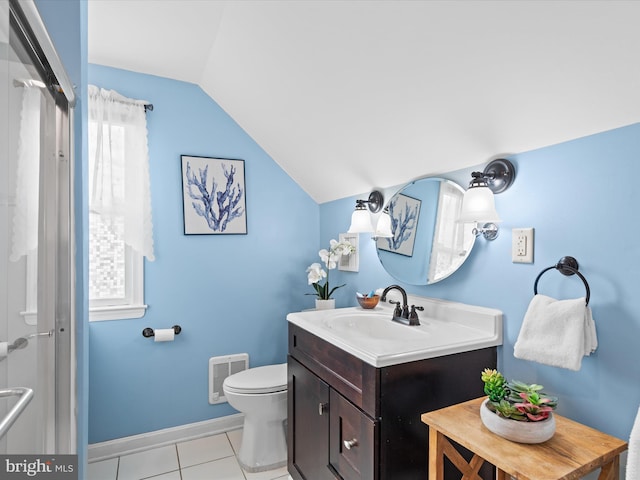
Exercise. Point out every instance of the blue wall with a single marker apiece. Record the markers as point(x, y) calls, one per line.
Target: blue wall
point(230, 293)
point(582, 199)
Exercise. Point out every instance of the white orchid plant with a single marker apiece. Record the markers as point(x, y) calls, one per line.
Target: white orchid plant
point(315, 272)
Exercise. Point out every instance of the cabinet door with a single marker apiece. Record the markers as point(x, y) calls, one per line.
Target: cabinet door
point(353, 449)
point(308, 424)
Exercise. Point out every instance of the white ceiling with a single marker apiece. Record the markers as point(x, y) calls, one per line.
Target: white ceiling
point(350, 95)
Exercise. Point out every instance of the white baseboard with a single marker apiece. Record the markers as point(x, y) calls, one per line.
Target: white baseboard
point(159, 438)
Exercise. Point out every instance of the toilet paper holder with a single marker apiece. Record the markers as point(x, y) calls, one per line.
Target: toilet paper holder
point(149, 332)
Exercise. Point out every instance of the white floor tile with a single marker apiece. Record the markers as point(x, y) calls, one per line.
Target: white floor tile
point(224, 469)
point(280, 473)
point(148, 463)
point(235, 437)
point(210, 458)
point(168, 476)
point(204, 450)
point(103, 470)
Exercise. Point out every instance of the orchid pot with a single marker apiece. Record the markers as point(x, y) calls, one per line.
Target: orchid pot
point(328, 304)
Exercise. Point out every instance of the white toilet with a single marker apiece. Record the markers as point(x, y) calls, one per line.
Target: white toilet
point(261, 394)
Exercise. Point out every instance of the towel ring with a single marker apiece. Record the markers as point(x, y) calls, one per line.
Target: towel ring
point(566, 266)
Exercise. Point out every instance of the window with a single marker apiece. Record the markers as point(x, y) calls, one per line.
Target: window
point(450, 238)
point(116, 273)
point(120, 227)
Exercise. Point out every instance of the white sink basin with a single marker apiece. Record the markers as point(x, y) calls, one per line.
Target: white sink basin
point(445, 328)
point(376, 325)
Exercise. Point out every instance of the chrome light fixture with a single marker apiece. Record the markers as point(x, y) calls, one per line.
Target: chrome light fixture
point(361, 218)
point(478, 204)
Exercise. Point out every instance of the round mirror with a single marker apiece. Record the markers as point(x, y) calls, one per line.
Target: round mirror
point(428, 244)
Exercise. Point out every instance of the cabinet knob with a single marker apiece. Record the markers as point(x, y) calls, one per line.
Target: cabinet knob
point(322, 407)
point(350, 443)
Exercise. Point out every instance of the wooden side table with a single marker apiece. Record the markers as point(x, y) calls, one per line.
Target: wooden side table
point(574, 451)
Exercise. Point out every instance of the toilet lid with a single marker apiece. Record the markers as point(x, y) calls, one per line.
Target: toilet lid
point(267, 379)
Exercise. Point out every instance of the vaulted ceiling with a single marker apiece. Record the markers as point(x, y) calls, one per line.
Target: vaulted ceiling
point(350, 95)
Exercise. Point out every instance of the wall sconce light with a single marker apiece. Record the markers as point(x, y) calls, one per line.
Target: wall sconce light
point(383, 227)
point(361, 219)
point(478, 204)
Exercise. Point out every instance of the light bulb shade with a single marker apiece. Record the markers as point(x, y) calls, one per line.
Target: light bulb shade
point(478, 206)
point(383, 228)
point(361, 222)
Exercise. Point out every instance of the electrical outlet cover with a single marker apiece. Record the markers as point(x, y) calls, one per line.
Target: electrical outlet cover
point(522, 245)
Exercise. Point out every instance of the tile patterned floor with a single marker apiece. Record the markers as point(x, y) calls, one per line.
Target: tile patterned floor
point(208, 458)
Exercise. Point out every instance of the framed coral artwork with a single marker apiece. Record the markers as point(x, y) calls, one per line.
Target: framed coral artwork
point(404, 212)
point(213, 196)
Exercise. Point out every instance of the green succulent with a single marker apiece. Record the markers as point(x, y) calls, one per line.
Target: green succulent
point(533, 394)
point(508, 410)
point(495, 386)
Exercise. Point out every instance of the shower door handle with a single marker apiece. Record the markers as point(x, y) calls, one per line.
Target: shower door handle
point(39, 334)
point(22, 342)
point(25, 394)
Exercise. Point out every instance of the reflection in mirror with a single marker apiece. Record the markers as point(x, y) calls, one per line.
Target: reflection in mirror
point(428, 243)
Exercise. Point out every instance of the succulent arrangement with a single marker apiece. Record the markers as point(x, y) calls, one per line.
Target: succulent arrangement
point(517, 400)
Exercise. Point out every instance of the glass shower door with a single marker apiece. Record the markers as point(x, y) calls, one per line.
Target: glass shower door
point(33, 177)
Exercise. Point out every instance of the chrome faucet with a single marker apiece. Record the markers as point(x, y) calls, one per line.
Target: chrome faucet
point(402, 314)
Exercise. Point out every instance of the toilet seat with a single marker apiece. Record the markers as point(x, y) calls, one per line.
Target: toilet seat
point(258, 380)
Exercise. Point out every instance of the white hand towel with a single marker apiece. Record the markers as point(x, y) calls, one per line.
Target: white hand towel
point(556, 332)
point(633, 458)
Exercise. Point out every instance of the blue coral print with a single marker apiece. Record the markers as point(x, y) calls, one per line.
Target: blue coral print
point(404, 212)
point(219, 200)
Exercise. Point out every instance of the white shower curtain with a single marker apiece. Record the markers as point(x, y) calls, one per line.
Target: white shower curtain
point(24, 238)
point(119, 185)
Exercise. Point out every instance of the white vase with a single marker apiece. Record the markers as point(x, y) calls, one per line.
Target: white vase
point(521, 432)
point(325, 304)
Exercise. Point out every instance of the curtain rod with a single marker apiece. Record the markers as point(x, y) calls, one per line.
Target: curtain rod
point(29, 82)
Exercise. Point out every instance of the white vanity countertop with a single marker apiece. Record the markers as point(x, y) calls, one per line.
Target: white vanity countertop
point(370, 335)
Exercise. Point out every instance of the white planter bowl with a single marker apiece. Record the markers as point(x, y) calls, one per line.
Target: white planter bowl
point(521, 432)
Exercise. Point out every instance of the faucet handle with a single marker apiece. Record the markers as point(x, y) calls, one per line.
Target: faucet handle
point(397, 312)
point(413, 315)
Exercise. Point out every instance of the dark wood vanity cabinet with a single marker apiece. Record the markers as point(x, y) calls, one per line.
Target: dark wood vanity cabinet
point(309, 418)
point(352, 421)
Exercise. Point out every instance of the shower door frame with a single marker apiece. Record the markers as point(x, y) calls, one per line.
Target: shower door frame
point(56, 262)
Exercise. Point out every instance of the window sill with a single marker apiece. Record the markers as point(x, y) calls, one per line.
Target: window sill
point(117, 312)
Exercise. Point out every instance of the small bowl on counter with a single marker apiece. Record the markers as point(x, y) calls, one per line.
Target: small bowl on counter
point(368, 302)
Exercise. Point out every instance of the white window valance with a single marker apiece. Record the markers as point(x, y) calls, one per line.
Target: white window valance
point(119, 182)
